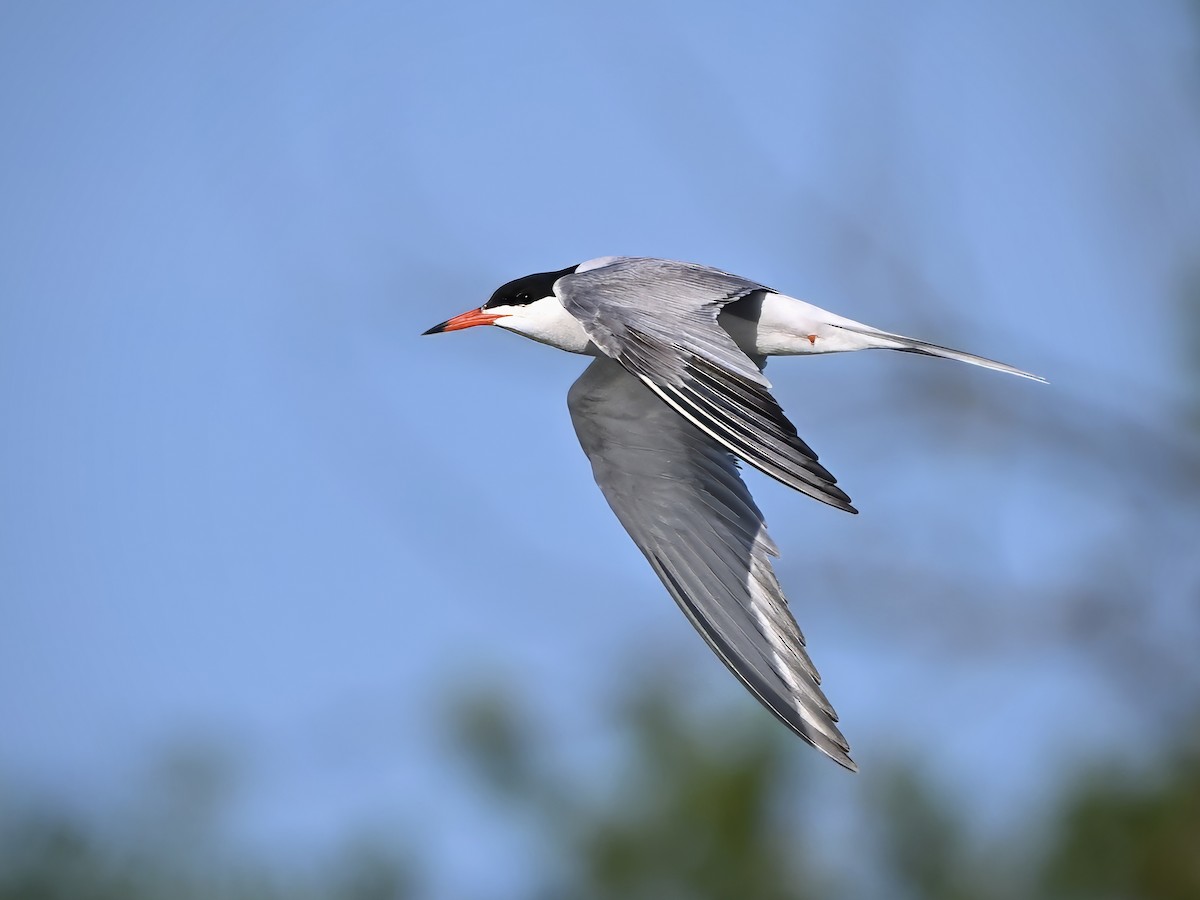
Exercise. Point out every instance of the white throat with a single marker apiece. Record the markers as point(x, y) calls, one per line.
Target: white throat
point(548, 322)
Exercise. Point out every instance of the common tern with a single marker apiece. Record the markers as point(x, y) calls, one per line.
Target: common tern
point(674, 397)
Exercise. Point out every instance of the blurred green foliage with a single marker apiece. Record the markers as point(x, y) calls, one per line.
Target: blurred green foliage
point(1120, 835)
point(174, 842)
point(701, 811)
point(55, 857)
point(698, 807)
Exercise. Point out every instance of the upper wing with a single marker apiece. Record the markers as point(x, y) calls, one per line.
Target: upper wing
point(678, 494)
point(658, 318)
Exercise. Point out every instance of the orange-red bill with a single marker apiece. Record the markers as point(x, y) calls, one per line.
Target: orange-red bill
point(468, 319)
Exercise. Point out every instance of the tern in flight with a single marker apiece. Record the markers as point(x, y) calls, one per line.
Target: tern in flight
point(674, 397)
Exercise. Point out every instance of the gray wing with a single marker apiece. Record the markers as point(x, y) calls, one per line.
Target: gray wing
point(678, 494)
point(658, 318)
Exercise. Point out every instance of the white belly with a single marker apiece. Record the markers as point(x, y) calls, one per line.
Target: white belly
point(771, 324)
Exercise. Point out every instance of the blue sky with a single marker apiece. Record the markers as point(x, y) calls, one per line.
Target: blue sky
point(241, 497)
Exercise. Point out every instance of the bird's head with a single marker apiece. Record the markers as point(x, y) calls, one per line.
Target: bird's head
point(527, 306)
